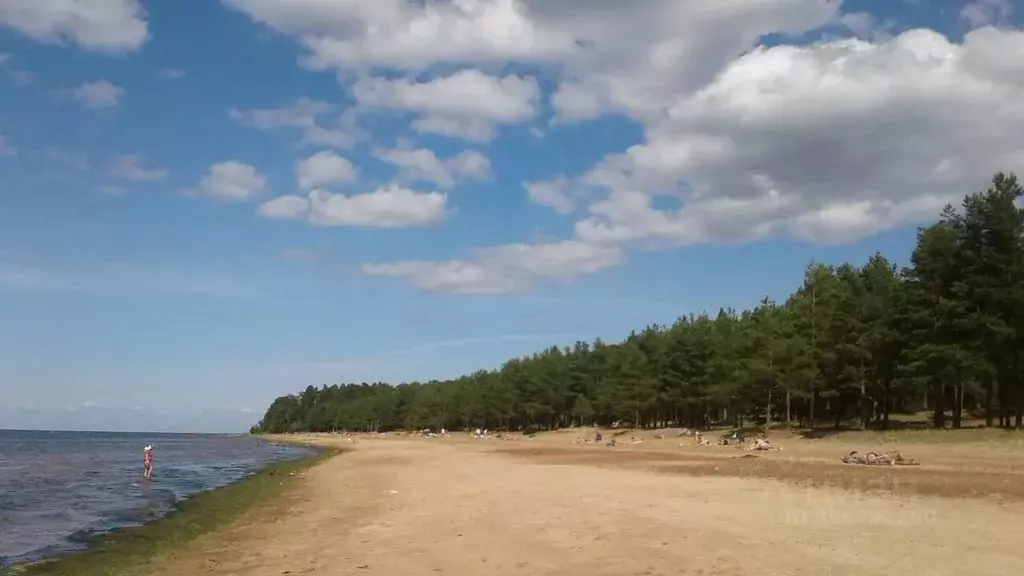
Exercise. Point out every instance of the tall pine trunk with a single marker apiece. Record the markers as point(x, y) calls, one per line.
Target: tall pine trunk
point(989, 397)
point(789, 412)
point(958, 404)
point(811, 416)
point(1019, 396)
point(865, 407)
point(939, 412)
point(886, 403)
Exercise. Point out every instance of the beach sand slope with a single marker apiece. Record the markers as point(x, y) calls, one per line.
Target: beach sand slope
point(421, 507)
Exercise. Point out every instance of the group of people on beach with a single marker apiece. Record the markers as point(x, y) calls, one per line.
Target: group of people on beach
point(761, 442)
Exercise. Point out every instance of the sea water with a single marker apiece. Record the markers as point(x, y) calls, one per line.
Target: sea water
point(59, 489)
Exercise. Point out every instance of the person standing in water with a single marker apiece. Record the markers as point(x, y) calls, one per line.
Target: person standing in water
point(147, 461)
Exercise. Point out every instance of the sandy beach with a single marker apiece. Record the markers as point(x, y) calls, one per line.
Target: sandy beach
point(458, 506)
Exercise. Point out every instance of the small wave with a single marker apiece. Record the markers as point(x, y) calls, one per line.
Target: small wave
point(54, 515)
point(149, 506)
point(164, 496)
point(81, 536)
point(40, 553)
point(130, 516)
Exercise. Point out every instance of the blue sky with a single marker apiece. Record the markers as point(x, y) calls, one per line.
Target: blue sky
point(204, 205)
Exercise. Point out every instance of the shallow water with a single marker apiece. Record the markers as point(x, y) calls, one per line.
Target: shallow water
point(59, 489)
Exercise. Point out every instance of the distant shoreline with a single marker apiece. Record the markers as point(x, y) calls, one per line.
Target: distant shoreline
point(124, 550)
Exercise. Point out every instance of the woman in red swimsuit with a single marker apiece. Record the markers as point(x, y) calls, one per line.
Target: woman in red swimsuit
point(147, 461)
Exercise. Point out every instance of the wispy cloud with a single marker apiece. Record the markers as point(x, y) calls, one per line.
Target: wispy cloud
point(69, 158)
point(114, 417)
point(120, 279)
point(36, 280)
point(19, 77)
point(271, 378)
point(548, 338)
point(6, 148)
point(298, 254)
point(129, 167)
point(111, 189)
point(22, 77)
point(979, 13)
point(98, 94)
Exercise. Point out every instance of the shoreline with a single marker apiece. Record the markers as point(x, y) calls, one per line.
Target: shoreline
point(545, 503)
point(126, 550)
point(461, 507)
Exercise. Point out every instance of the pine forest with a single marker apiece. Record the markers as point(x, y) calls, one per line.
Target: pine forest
point(851, 346)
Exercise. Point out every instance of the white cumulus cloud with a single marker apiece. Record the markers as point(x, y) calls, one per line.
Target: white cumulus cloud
point(614, 56)
point(553, 193)
point(98, 94)
point(390, 207)
point(402, 34)
point(828, 141)
point(324, 167)
point(230, 180)
point(285, 208)
point(467, 104)
point(421, 164)
point(106, 25)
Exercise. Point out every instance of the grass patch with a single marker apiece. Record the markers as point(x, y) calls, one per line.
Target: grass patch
point(128, 551)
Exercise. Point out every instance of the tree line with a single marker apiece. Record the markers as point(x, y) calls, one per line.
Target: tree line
point(851, 344)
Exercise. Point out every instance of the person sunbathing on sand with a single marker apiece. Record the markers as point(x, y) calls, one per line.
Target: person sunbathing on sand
point(854, 458)
point(761, 444)
point(701, 440)
point(893, 459)
point(899, 460)
point(869, 459)
point(875, 459)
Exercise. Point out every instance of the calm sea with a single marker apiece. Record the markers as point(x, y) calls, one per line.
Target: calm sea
point(58, 489)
